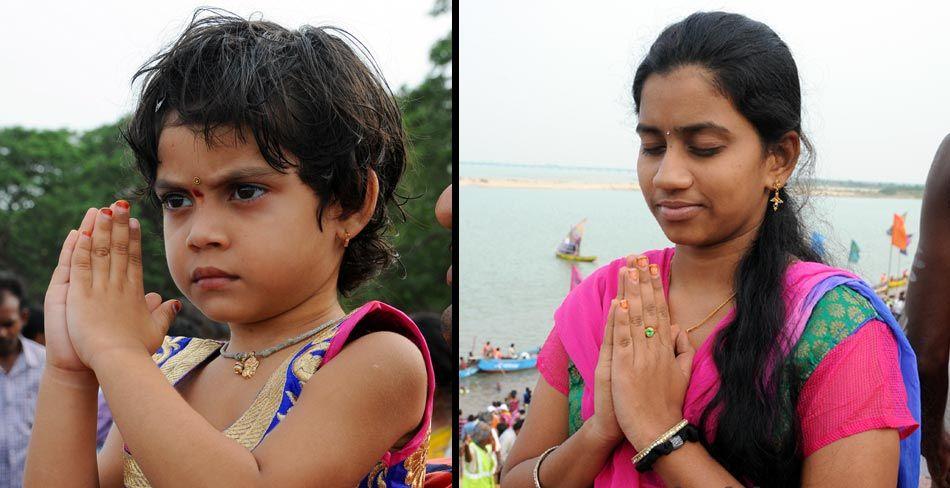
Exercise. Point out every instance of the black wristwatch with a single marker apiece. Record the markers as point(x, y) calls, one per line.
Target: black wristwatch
point(689, 433)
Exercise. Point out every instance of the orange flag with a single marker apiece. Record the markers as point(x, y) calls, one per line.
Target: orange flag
point(899, 233)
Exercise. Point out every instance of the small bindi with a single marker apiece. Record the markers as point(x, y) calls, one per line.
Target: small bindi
point(198, 180)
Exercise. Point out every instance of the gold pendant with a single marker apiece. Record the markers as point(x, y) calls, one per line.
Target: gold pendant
point(247, 366)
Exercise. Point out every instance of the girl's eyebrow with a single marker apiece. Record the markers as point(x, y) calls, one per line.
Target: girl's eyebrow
point(223, 180)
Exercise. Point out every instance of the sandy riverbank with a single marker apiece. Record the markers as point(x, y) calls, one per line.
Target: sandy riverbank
point(831, 191)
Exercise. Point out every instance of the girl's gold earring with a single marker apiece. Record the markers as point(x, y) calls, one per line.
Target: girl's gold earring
point(346, 238)
point(776, 200)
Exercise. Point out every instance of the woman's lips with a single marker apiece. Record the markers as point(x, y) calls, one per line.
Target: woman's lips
point(214, 283)
point(678, 213)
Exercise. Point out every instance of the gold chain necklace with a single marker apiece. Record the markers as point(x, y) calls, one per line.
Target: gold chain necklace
point(247, 362)
point(701, 322)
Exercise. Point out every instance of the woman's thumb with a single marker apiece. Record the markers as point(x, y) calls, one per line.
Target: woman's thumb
point(684, 350)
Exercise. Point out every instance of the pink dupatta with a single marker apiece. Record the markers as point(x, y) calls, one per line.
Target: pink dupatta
point(579, 324)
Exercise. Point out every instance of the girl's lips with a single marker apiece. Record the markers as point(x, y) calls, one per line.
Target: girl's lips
point(678, 214)
point(214, 283)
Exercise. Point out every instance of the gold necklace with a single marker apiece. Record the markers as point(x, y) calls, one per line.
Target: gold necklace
point(701, 322)
point(247, 362)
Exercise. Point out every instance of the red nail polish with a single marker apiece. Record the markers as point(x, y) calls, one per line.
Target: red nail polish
point(122, 203)
point(177, 306)
point(87, 233)
point(106, 211)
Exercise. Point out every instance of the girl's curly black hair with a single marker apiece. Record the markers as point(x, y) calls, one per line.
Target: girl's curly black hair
point(314, 94)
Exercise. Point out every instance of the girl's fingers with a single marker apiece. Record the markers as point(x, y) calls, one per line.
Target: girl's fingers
point(80, 265)
point(152, 301)
point(61, 272)
point(101, 247)
point(119, 244)
point(662, 309)
point(134, 270)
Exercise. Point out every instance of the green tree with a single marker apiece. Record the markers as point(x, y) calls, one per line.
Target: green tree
point(417, 282)
point(47, 181)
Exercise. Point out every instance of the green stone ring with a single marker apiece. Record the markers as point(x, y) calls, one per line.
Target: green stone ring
point(649, 331)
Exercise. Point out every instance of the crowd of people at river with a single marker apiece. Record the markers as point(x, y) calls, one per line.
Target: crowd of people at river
point(487, 438)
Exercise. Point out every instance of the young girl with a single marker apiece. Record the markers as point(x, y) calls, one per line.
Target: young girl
point(781, 370)
point(274, 155)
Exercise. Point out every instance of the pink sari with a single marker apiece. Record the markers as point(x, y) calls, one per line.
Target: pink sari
point(579, 324)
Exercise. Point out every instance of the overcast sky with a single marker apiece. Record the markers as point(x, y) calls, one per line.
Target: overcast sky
point(549, 81)
point(69, 64)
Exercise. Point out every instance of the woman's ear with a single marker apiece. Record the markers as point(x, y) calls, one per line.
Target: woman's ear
point(355, 223)
point(783, 157)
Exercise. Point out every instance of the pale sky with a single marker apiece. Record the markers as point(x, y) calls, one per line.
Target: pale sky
point(70, 64)
point(549, 81)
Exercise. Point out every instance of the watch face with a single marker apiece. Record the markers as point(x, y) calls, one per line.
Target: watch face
point(677, 441)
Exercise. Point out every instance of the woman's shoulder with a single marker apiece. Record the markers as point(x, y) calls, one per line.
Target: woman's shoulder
point(837, 315)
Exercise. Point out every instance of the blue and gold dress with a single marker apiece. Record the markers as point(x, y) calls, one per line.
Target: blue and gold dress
point(403, 467)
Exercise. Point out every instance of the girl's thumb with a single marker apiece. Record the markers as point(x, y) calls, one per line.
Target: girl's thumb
point(165, 314)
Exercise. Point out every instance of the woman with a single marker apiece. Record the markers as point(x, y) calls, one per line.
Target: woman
point(783, 371)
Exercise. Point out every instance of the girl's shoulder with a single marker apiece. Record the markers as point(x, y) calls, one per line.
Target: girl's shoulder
point(374, 316)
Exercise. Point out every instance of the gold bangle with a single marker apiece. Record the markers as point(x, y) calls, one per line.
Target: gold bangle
point(537, 466)
point(659, 440)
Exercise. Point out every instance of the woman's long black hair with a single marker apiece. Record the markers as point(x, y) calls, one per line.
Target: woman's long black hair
point(757, 436)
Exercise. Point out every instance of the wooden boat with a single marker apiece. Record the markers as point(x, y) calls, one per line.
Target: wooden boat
point(505, 365)
point(570, 248)
point(469, 371)
point(574, 257)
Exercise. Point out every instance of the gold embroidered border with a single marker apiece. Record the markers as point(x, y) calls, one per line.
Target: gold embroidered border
point(195, 352)
point(307, 364)
point(416, 464)
point(249, 429)
point(132, 475)
point(169, 346)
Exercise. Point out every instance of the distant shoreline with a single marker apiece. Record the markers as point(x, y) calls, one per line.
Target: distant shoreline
point(816, 190)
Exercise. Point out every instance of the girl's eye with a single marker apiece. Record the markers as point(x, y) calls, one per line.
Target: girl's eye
point(174, 201)
point(706, 151)
point(653, 151)
point(248, 192)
